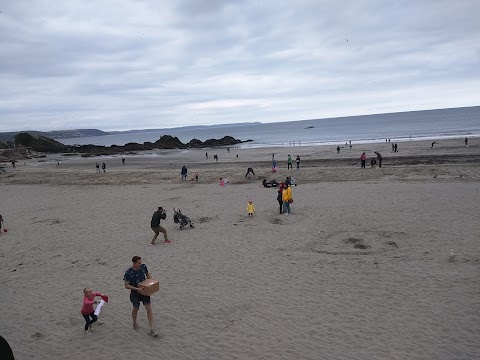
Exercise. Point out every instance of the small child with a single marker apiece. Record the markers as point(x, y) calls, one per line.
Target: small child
point(87, 309)
point(222, 182)
point(250, 208)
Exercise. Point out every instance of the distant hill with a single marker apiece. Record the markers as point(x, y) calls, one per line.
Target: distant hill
point(58, 134)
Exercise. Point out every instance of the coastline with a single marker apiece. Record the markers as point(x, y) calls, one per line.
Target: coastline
point(361, 268)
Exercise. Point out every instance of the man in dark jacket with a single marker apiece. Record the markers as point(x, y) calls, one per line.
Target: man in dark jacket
point(155, 224)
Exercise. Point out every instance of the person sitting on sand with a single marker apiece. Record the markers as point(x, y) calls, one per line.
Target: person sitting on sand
point(221, 182)
point(373, 162)
point(271, 183)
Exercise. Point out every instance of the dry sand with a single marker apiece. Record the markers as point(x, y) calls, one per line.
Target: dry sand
point(360, 270)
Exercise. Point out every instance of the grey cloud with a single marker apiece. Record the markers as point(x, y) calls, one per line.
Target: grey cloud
point(190, 62)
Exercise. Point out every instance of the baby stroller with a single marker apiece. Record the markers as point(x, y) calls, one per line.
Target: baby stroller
point(181, 219)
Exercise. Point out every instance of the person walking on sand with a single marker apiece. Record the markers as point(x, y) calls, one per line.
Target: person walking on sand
point(297, 161)
point(1, 223)
point(87, 309)
point(379, 158)
point(206, 155)
point(289, 162)
point(123, 161)
point(395, 148)
point(184, 173)
point(363, 158)
point(97, 166)
point(466, 141)
point(155, 225)
point(287, 199)
point(279, 197)
point(137, 273)
point(338, 149)
point(104, 167)
point(250, 208)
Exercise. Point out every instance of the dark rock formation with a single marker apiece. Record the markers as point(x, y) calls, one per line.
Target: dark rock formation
point(43, 144)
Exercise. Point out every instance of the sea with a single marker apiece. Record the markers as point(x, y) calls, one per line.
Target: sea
point(404, 126)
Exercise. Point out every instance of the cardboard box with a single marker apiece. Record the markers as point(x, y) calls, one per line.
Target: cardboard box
point(149, 286)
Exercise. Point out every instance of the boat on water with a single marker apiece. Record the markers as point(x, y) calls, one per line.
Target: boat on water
point(309, 127)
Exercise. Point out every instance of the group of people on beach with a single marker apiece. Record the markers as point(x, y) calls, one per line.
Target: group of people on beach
point(133, 276)
point(104, 167)
point(289, 162)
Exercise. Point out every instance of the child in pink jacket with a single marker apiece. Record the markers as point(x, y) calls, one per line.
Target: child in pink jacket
point(87, 309)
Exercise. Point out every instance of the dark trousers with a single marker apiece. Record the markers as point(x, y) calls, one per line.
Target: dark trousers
point(379, 163)
point(289, 166)
point(248, 173)
point(89, 322)
point(280, 202)
point(363, 163)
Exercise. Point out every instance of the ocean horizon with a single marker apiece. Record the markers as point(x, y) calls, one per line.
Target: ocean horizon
point(398, 127)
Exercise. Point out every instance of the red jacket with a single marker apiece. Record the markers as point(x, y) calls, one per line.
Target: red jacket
point(88, 303)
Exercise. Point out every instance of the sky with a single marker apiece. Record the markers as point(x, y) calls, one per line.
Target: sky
point(140, 64)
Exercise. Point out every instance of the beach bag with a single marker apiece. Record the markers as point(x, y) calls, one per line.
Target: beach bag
point(290, 201)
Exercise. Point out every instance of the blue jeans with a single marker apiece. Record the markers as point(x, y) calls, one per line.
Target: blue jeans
point(286, 207)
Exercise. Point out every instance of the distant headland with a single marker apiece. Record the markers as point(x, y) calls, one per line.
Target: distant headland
point(24, 142)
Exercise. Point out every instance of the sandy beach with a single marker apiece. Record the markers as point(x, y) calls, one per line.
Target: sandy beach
point(360, 270)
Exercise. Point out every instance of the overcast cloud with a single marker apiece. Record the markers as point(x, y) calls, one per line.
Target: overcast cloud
point(134, 64)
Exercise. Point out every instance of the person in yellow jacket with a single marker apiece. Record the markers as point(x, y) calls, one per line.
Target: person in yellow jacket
point(287, 199)
point(250, 208)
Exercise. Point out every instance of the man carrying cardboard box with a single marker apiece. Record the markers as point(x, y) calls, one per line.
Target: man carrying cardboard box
point(133, 277)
